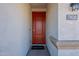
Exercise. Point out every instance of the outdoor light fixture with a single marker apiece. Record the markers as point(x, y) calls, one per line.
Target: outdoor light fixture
point(74, 6)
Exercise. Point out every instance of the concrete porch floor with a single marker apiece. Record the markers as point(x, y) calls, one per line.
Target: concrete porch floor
point(42, 52)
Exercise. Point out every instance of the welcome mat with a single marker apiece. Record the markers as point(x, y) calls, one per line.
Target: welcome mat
point(38, 47)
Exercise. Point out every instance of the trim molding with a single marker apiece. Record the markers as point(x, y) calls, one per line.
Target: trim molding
point(68, 44)
point(64, 44)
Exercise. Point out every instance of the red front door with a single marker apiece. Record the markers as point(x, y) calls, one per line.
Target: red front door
point(38, 27)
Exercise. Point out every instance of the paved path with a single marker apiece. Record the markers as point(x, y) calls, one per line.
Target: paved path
point(43, 52)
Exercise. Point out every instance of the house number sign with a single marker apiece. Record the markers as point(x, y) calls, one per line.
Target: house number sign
point(71, 17)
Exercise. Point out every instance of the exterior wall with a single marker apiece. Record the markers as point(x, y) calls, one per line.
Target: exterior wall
point(15, 29)
point(52, 47)
point(68, 31)
point(68, 52)
point(52, 20)
point(52, 27)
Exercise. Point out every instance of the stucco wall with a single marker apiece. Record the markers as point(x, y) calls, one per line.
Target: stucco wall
point(52, 20)
point(68, 29)
point(15, 29)
point(68, 52)
point(52, 48)
point(52, 27)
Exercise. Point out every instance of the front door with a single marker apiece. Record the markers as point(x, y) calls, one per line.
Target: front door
point(38, 27)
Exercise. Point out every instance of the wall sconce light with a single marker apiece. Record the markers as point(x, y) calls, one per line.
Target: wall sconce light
point(74, 6)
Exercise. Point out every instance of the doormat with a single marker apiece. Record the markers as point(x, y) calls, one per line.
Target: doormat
point(38, 47)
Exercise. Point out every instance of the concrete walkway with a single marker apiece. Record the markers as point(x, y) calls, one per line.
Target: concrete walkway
point(34, 52)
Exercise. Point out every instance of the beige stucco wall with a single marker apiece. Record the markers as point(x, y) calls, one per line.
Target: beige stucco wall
point(15, 29)
point(52, 20)
point(68, 31)
point(52, 27)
